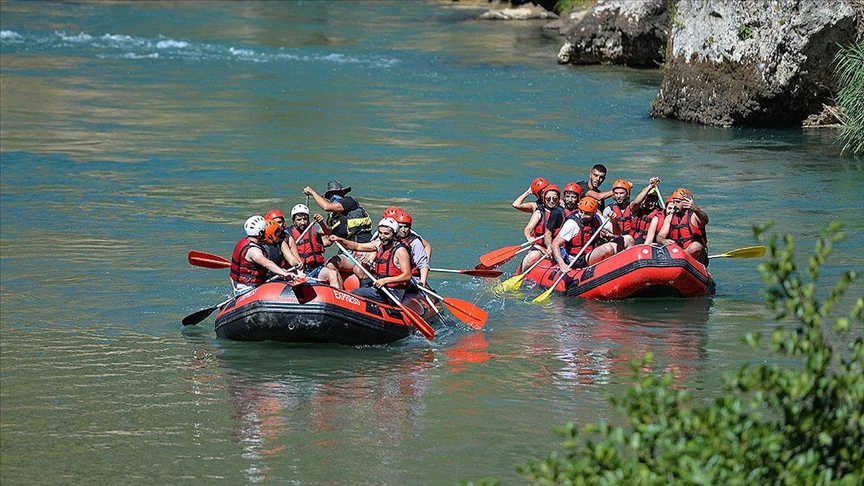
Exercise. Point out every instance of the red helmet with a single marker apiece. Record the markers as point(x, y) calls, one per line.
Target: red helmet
point(273, 214)
point(538, 185)
point(403, 217)
point(573, 187)
point(272, 232)
point(391, 212)
point(552, 187)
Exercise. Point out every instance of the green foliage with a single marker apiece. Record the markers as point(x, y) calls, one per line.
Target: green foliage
point(565, 6)
point(850, 97)
point(793, 424)
point(744, 32)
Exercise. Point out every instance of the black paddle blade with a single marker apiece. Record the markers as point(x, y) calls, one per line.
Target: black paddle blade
point(197, 317)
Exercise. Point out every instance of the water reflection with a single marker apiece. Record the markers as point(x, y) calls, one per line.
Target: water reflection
point(597, 340)
point(322, 407)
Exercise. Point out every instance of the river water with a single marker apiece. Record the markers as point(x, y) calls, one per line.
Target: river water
point(134, 132)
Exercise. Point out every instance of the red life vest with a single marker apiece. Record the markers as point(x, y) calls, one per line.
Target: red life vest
point(242, 270)
point(385, 264)
point(623, 216)
point(545, 219)
point(683, 232)
point(310, 248)
point(583, 234)
point(640, 222)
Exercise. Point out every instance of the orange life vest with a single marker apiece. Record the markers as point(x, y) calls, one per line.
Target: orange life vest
point(242, 270)
point(385, 264)
point(310, 248)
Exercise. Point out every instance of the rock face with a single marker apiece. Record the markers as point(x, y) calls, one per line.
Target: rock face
point(528, 11)
point(627, 32)
point(765, 62)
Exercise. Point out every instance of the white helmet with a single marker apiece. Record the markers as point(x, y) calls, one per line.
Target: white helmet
point(390, 223)
point(299, 209)
point(255, 225)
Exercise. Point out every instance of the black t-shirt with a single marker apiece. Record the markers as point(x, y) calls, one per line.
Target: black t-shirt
point(584, 186)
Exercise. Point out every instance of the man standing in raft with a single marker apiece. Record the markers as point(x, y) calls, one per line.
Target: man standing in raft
point(249, 264)
point(392, 265)
point(576, 232)
point(685, 226)
point(347, 220)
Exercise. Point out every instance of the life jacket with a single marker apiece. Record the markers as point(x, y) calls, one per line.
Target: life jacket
point(640, 222)
point(310, 248)
point(683, 232)
point(623, 216)
point(568, 212)
point(242, 270)
point(385, 264)
point(358, 224)
point(583, 234)
point(545, 217)
point(407, 242)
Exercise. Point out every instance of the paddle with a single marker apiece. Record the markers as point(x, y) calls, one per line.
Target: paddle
point(545, 295)
point(207, 260)
point(474, 273)
point(409, 316)
point(464, 311)
point(748, 252)
point(202, 314)
point(515, 281)
point(500, 256)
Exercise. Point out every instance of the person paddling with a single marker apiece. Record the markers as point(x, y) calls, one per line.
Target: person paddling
point(545, 222)
point(305, 240)
point(686, 226)
point(577, 232)
point(392, 264)
point(249, 264)
point(416, 246)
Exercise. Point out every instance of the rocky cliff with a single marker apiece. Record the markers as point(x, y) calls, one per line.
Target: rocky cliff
point(752, 63)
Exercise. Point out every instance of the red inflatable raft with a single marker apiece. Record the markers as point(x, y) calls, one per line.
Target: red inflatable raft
point(639, 271)
point(316, 313)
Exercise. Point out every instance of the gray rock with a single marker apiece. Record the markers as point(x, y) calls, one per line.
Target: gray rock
point(528, 11)
point(627, 32)
point(763, 62)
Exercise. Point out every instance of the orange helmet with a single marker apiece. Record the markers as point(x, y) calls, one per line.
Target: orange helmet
point(391, 212)
point(588, 204)
point(573, 187)
point(273, 214)
point(272, 232)
point(538, 185)
point(403, 217)
point(626, 185)
point(669, 199)
point(682, 193)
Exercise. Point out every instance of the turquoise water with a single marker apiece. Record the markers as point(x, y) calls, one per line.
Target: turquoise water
point(133, 133)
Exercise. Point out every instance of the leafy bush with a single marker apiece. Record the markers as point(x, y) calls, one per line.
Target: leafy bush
point(744, 32)
point(774, 425)
point(565, 6)
point(850, 97)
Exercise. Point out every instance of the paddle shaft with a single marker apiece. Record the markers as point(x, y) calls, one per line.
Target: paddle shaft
point(411, 316)
point(202, 314)
point(748, 252)
point(547, 293)
point(472, 273)
point(469, 310)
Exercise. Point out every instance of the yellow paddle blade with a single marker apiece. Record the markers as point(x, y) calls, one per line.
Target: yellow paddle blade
point(545, 295)
point(749, 252)
point(510, 284)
